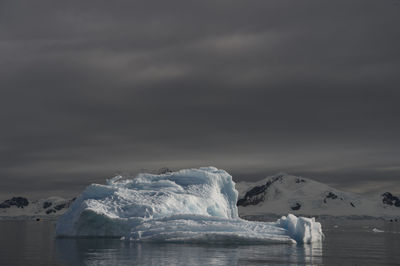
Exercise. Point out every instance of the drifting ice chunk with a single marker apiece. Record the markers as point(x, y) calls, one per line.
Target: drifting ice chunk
point(301, 229)
point(189, 205)
point(376, 230)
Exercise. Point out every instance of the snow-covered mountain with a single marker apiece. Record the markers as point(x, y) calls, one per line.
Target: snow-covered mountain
point(21, 207)
point(282, 193)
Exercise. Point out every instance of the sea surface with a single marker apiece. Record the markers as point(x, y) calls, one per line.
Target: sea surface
point(347, 242)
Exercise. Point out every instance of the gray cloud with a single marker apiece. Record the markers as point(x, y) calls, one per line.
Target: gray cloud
point(89, 89)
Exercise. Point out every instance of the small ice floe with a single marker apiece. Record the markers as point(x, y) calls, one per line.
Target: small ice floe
point(376, 230)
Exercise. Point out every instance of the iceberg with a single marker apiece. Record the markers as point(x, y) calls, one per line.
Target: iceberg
point(190, 205)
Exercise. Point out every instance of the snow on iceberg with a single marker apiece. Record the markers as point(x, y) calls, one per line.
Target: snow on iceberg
point(191, 205)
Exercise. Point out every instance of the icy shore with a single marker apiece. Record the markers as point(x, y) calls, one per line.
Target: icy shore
point(191, 205)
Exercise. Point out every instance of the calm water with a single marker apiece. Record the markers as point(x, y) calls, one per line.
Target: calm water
point(346, 243)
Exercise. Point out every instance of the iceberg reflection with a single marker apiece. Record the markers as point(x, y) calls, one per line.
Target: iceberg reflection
point(116, 252)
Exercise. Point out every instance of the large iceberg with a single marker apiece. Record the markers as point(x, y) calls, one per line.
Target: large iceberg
point(191, 205)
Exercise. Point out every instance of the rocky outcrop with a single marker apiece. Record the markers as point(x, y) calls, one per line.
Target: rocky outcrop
point(296, 206)
point(256, 194)
point(389, 199)
point(47, 204)
point(58, 207)
point(19, 202)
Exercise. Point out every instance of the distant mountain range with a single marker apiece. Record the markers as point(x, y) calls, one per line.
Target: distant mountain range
point(282, 193)
point(20, 207)
point(276, 195)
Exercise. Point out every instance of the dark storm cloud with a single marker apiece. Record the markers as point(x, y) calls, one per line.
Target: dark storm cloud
point(89, 89)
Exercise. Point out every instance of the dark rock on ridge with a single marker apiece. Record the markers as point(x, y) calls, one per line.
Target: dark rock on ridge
point(19, 202)
point(50, 211)
point(256, 194)
point(331, 195)
point(46, 204)
point(296, 207)
point(59, 207)
point(389, 199)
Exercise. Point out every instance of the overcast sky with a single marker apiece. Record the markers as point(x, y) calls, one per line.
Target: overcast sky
point(94, 88)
